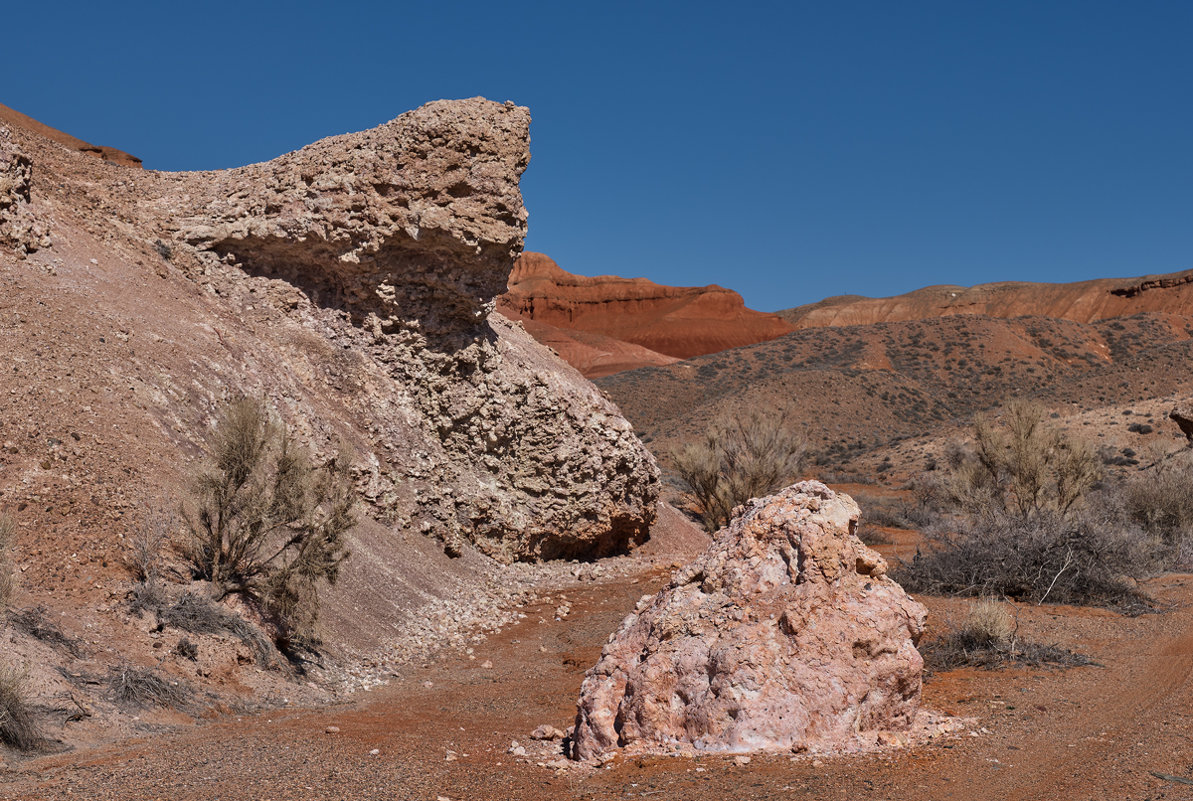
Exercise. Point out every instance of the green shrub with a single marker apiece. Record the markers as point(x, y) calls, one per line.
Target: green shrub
point(265, 523)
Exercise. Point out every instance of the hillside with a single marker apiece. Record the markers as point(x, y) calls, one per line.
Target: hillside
point(1082, 302)
point(605, 324)
point(861, 390)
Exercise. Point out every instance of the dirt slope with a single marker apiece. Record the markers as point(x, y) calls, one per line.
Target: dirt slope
point(859, 389)
point(677, 322)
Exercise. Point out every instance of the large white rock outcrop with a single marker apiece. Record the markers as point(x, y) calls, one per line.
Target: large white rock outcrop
point(786, 634)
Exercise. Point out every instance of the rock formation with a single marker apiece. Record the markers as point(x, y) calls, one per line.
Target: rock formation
point(20, 229)
point(1082, 301)
point(354, 281)
point(786, 634)
point(677, 322)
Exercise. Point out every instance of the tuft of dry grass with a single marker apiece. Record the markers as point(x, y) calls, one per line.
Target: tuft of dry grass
point(988, 638)
point(145, 687)
point(18, 729)
point(37, 624)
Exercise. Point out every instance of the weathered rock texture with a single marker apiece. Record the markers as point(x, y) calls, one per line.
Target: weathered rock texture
point(1081, 301)
point(786, 634)
point(20, 229)
point(676, 322)
point(410, 231)
point(353, 282)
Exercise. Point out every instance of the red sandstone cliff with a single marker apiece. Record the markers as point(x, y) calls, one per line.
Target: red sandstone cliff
point(677, 322)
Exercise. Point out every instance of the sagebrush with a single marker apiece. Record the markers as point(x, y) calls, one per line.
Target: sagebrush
point(739, 458)
point(265, 522)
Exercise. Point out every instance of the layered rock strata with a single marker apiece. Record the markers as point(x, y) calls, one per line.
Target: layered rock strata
point(675, 322)
point(786, 634)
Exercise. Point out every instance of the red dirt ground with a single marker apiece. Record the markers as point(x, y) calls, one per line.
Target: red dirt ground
point(1083, 733)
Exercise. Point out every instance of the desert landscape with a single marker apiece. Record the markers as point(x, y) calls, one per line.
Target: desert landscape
point(810, 417)
point(488, 583)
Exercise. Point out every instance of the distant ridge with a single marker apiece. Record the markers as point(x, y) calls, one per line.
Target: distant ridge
point(1081, 301)
point(16, 119)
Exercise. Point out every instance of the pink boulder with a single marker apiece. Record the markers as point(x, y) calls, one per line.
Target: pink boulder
point(786, 634)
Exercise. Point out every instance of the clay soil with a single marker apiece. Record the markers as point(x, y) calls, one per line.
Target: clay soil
point(444, 728)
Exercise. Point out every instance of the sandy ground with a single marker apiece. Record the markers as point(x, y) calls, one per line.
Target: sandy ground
point(444, 728)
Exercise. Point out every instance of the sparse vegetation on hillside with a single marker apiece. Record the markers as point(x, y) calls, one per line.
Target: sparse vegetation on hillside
point(267, 524)
point(744, 457)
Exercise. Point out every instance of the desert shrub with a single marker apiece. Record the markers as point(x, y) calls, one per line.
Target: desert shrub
point(147, 546)
point(266, 523)
point(1021, 468)
point(36, 622)
point(739, 458)
point(18, 728)
point(1093, 557)
point(1161, 501)
point(988, 637)
point(187, 649)
point(196, 614)
point(145, 687)
point(8, 580)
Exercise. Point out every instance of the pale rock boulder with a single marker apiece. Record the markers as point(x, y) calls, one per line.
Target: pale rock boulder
point(785, 635)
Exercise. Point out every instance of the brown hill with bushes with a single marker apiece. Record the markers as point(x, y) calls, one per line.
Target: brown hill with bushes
point(1082, 301)
point(676, 322)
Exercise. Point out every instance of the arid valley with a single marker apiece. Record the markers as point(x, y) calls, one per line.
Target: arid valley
point(315, 483)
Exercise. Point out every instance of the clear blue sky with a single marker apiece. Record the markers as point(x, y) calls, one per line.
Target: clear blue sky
point(790, 151)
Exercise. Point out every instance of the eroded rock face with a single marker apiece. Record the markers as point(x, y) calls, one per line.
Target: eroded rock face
point(786, 634)
point(20, 229)
point(408, 232)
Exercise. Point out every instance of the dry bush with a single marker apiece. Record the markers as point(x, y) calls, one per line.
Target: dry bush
point(8, 581)
point(144, 687)
point(148, 544)
point(988, 622)
point(739, 458)
point(199, 615)
point(37, 624)
point(1161, 501)
point(1022, 468)
point(1029, 526)
point(988, 638)
point(1094, 557)
point(267, 524)
point(18, 729)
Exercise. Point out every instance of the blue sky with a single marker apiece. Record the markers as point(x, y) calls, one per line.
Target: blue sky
point(790, 151)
